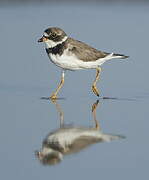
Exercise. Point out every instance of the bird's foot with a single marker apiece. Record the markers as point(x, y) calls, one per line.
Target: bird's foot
point(53, 97)
point(95, 90)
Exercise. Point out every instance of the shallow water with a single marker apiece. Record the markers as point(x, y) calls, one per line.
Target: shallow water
point(26, 75)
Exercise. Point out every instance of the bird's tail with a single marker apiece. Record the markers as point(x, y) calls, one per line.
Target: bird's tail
point(109, 137)
point(111, 56)
point(121, 56)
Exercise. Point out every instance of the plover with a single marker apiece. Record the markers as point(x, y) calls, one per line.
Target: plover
point(70, 54)
point(71, 139)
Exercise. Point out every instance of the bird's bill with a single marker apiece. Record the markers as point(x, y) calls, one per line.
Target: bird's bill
point(38, 154)
point(42, 39)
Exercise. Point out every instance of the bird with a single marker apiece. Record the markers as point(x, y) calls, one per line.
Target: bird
point(70, 54)
point(71, 139)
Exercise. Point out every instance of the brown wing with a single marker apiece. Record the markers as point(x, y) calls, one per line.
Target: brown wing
point(83, 51)
point(82, 143)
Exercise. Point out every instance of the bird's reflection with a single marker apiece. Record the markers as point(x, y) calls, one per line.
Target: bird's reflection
point(70, 139)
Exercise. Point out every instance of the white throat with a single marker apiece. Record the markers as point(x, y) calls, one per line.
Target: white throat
point(51, 44)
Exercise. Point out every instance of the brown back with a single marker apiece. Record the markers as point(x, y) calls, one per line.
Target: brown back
point(83, 51)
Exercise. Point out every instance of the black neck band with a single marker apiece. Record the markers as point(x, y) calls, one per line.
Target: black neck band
point(58, 49)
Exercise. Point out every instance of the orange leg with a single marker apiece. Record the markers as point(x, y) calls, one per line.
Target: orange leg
point(54, 95)
point(94, 88)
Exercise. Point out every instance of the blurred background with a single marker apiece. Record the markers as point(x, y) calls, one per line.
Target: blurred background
point(26, 75)
point(70, 1)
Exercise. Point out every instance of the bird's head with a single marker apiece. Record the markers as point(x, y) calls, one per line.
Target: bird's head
point(53, 36)
point(48, 156)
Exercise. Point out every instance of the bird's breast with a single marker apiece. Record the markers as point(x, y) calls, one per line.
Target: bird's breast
point(64, 61)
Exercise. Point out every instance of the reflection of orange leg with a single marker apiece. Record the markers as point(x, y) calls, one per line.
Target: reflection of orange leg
point(94, 88)
point(94, 107)
point(61, 114)
point(54, 95)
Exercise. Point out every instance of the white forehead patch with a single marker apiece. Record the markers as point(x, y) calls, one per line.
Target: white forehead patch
point(45, 34)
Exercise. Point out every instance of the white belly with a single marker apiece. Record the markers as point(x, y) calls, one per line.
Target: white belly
point(71, 62)
point(65, 62)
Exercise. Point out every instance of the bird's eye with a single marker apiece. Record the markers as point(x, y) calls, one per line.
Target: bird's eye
point(45, 36)
point(53, 35)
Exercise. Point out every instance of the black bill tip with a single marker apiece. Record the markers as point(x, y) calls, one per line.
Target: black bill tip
point(40, 40)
